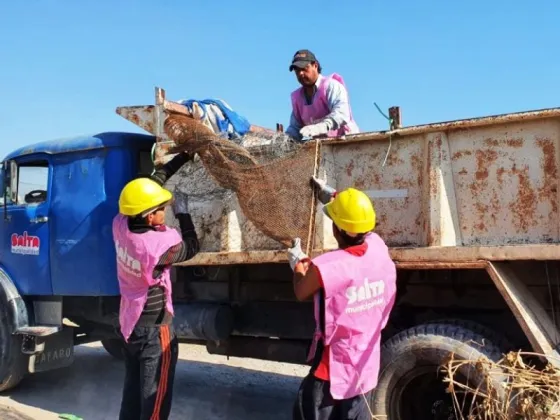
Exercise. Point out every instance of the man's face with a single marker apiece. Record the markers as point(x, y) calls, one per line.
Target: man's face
point(157, 218)
point(308, 75)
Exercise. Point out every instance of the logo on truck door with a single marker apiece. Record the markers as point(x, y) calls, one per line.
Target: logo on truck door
point(25, 244)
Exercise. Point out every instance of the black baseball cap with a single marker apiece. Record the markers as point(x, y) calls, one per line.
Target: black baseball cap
point(302, 58)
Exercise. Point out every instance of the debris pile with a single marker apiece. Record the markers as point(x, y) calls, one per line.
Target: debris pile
point(272, 182)
point(513, 388)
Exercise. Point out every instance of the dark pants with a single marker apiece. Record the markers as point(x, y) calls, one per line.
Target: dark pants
point(150, 358)
point(314, 402)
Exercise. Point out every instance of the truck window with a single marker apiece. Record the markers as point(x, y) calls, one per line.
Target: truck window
point(32, 183)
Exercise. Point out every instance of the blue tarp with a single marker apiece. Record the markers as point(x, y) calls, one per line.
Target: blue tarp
point(239, 123)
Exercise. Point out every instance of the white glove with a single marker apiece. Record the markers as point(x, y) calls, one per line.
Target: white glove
point(180, 203)
point(326, 192)
point(296, 254)
point(315, 129)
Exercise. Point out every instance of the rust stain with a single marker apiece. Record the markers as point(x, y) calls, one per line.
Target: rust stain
point(463, 171)
point(491, 142)
point(510, 142)
point(516, 143)
point(432, 177)
point(431, 265)
point(401, 183)
point(500, 172)
point(360, 184)
point(548, 191)
point(482, 210)
point(394, 160)
point(524, 205)
point(459, 154)
point(495, 204)
point(350, 168)
point(417, 164)
point(484, 158)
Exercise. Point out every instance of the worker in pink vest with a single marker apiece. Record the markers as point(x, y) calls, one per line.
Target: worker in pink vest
point(354, 289)
point(320, 107)
point(145, 250)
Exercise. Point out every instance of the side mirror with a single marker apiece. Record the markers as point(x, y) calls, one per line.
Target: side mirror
point(13, 181)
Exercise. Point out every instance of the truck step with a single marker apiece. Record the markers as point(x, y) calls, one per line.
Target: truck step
point(38, 330)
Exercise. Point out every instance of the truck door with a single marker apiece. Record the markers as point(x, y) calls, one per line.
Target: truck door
point(24, 249)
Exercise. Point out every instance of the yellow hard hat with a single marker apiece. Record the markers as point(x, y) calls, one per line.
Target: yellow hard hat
point(351, 211)
point(141, 195)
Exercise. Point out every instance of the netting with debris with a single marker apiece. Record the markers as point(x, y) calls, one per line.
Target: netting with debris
point(272, 182)
point(514, 388)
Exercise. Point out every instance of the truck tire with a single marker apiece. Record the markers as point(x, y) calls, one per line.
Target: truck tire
point(409, 386)
point(13, 363)
point(114, 347)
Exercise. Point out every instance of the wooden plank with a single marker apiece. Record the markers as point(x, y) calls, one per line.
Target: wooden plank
point(535, 322)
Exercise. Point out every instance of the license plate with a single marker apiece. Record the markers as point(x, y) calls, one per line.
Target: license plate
point(58, 353)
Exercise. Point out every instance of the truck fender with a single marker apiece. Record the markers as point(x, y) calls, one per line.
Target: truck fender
point(10, 298)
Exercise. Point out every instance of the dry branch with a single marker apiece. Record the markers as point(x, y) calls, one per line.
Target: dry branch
point(530, 392)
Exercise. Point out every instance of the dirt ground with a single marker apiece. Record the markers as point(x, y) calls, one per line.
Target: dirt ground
point(206, 387)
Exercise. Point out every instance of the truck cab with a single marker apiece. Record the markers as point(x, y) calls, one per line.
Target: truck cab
point(56, 249)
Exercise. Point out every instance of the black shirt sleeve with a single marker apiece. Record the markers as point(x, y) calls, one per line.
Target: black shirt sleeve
point(182, 251)
point(163, 173)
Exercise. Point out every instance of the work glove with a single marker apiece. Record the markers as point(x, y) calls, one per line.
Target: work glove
point(326, 192)
point(180, 203)
point(315, 130)
point(296, 254)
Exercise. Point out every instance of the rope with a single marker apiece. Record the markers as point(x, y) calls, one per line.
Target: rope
point(310, 236)
point(390, 134)
point(153, 153)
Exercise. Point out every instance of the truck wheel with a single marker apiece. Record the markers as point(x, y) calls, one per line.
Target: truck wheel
point(13, 363)
point(410, 384)
point(114, 347)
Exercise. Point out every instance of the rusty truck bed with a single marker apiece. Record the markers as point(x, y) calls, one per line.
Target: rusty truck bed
point(458, 192)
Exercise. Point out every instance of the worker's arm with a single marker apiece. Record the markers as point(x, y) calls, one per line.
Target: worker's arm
point(339, 111)
point(325, 193)
point(190, 246)
point(337, 99)
point(184, 250)
point(307, 280)
point(164, 172)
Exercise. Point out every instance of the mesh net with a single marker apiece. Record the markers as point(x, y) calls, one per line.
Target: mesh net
point(272, 182)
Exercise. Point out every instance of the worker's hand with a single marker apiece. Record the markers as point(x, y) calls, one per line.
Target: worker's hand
point(315, 130)
point(296, 254)
point(325, 192)
point(180, 203)
point(302, 266)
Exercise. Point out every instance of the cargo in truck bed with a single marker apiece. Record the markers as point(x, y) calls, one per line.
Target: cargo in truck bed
point(459, 191)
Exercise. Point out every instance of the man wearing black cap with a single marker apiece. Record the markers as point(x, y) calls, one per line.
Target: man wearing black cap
point(320, 107)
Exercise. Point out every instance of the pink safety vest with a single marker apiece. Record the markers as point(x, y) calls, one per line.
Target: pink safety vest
point(137, 256)
point(359, 295)
point(319, 109)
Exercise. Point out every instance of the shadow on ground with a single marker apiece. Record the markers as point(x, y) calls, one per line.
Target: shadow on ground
point(91, 389)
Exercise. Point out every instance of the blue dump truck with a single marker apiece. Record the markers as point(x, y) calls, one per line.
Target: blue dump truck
point(58, 286)
point(469, 209)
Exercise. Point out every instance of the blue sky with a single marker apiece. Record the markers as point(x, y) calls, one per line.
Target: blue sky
point(66, 65)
